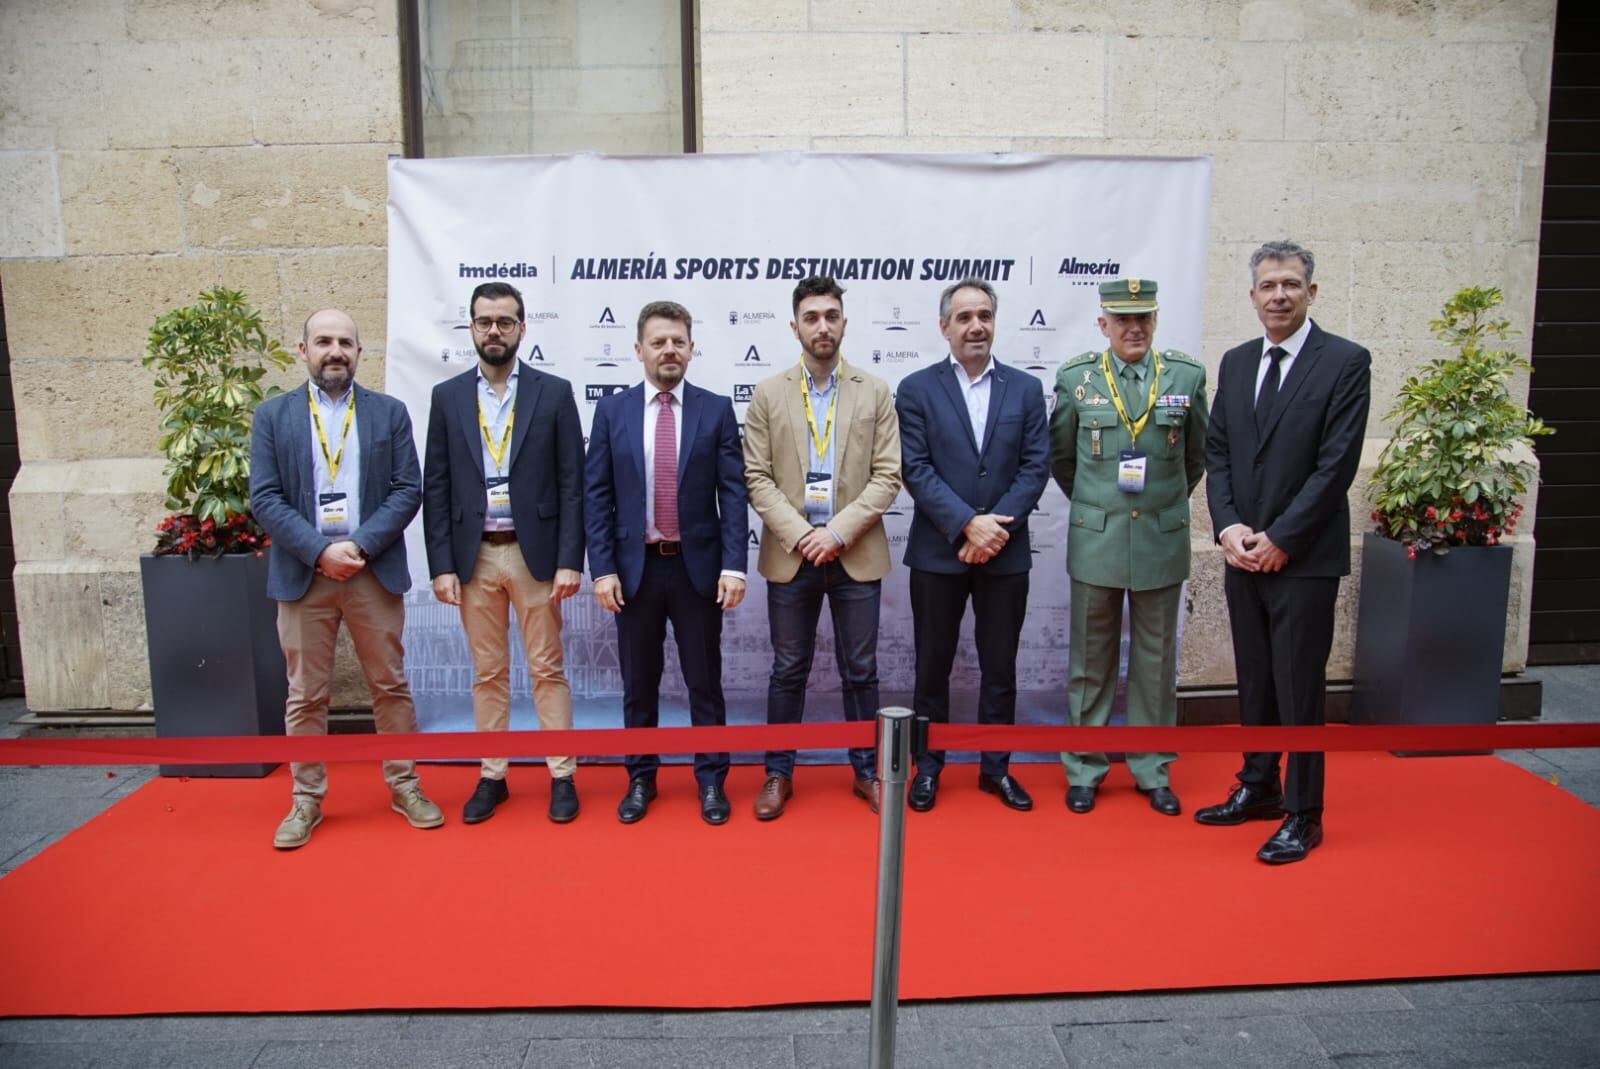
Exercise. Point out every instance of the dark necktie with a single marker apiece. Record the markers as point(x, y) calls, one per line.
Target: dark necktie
point(665, 476)
point(1269, 388)
point(1132, 396)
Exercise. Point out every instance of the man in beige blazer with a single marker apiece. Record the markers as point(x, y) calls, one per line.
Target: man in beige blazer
point(822, 463)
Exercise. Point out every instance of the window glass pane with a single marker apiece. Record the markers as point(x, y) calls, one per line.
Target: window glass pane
point(522, 76)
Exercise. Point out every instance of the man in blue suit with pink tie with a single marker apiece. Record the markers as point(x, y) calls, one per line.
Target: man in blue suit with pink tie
point(667, 521)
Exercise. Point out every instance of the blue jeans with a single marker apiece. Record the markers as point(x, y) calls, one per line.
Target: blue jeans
point(793, 609)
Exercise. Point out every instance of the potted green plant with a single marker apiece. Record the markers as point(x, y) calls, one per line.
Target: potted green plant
point(216, 667)
point(1435, 572)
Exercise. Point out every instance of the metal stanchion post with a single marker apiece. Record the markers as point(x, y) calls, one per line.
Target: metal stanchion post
point(894, 759)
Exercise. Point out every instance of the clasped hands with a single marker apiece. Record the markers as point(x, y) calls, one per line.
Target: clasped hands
point(1251, 551)
point(986, 536)
point(340, 560)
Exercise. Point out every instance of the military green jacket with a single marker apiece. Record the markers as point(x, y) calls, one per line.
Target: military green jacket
point(1136, 541)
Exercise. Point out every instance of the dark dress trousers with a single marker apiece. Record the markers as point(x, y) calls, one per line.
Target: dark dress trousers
point(714, 533)
point(545, 473)
point(952, 477)
point(1290, 480)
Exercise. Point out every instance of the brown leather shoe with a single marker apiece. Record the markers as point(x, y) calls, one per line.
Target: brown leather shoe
point(871, 790)
point(769, 800)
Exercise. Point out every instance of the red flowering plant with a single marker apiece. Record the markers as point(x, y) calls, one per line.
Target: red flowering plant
point(209, 360)
point(1458, 461)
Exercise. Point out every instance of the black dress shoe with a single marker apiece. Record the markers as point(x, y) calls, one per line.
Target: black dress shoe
point(924, 789)
point(1163, 801)
point(713, 804)
point(1010, 791)
point(1245, 803)
point(636, 803)
point(480, 807)
point(1080, 799)
point(563, 800)
point(1296, 837)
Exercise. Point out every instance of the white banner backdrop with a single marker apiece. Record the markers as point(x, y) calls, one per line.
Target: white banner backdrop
point(590, 239)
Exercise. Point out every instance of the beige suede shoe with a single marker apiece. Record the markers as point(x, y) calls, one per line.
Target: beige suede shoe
point(296, 827)
point(412, 804)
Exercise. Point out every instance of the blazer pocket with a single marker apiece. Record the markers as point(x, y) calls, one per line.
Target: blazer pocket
point(1173, 519)
point(1088, 517)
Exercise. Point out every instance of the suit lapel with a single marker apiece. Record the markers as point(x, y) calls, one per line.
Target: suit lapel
point(529, 385)
point(467, 414)
point(364, 432)
point(1305, 364)
point(305, 464)
point(997, 394)
point(958, 403)
point(793, 382)
point(633, 428)
point(693, 403)
point(841, 420)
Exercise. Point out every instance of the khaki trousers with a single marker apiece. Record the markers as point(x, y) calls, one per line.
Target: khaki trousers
point(308, 630)
point(501, 582)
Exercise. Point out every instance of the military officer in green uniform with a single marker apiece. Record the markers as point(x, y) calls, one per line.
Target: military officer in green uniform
point(1127, 445)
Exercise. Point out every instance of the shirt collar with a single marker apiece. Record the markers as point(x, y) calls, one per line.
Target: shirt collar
point(1141, 365)
point(651, 392)
point(833, 377)
point(961, 372)
point(328, 402)
point(1293, 343)
point(516, 369)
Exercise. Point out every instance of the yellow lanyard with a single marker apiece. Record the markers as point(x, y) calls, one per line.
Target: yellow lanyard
point(332, 459)
point(1116, 398)
point(820, 441)
point(497, 453)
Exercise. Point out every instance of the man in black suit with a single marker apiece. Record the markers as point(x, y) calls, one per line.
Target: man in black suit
point(668, 523)
point(1282, 449)
point(502, 518)
point(975, 454)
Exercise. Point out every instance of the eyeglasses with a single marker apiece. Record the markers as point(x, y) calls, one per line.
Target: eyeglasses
point(482, 324)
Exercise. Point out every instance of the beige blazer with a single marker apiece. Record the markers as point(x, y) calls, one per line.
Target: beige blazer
point(866, 471)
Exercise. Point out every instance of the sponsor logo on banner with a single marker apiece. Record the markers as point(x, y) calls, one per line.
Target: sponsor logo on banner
point(601, 359)
point(751, 319)
point(1037, 324)
point(593, 392)
point(743, 393)
point(498, 269)
point(1088, 272)
point(605, 321)
point(543, 317)
point(895, 322)
point(896, 356)
point(458, 355)
point(536, 355)
point(753, 358)
point(1036, 365)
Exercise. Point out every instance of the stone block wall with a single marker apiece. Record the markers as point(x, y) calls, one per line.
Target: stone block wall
point(152, 148)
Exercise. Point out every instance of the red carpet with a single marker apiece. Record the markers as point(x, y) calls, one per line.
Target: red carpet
point(174, 900)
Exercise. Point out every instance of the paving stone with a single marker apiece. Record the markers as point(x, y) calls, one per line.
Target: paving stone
point(200, 1028)
point(781, 1021)
point(127, 1055)
point(285, 1054)
point(47, 815)
point(448, 1027)
point(13, 844)
point(1488, 1034)
point(776, 1053)
point(1477, 991)
point(938, 1048)
point(1145, 1007)
point(1236, 1043)
point(1580, 1019)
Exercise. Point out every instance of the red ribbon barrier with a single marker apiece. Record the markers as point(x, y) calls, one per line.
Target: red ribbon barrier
point(748, 738)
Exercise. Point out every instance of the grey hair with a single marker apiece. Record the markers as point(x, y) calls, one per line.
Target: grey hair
point(966, 284)
point(1282, 250)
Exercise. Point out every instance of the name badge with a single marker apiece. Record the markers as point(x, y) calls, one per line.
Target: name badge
point(819, 488)
point(333, 513)
point(1130, 471)
point(499, 497)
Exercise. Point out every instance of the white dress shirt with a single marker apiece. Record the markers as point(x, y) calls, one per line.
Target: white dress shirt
point(976, 392)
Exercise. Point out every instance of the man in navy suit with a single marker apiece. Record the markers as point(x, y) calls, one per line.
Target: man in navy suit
point(1282, 449)
point(666, 512)
point(975, 455)
point(333, 480)
point(502, 518)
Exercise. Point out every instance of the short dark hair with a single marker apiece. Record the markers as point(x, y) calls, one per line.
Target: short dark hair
point(494, 291)
point(817, 286)
point(666, 310)
point(1282, 251)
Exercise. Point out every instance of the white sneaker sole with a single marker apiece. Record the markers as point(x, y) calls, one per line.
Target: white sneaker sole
point(414, 822)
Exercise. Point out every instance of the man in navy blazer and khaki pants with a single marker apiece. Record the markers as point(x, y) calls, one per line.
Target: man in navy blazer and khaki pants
point(333, 480)
point(668, 522)
point(502, 518)
point(975, 455)
point(1287, 422)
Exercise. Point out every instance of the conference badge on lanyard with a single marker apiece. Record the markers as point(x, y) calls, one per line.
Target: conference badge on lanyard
point(1132, 465)
point(819, 484)
point(333, 506)
point(498, 485)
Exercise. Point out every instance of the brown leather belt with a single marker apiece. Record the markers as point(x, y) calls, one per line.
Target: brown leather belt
point(664, 549)
point(499, 538)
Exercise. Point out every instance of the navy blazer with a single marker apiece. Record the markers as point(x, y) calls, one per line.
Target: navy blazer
point(713, 506)
point(1292, 480)
point(952, 477)
point(283, 490)
point(545, 472)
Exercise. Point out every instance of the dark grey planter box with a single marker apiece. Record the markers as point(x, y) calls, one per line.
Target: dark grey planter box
point(1430, 636)
point(216, 667)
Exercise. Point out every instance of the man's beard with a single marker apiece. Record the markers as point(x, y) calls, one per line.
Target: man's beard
point(330, 378)
point(500, 359)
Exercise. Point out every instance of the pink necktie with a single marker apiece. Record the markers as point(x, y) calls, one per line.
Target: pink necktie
point(665, 476)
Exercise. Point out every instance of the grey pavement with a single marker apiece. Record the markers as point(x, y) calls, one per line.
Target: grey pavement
point(1545, 1021)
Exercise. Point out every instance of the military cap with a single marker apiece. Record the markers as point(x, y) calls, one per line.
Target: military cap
point(1128, 296)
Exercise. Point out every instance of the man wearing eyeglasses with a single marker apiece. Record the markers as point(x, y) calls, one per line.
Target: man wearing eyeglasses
point(502, 513)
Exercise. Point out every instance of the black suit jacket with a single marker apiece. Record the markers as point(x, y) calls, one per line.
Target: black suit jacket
point(1293, 479)
point(545, 472)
